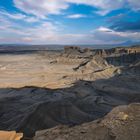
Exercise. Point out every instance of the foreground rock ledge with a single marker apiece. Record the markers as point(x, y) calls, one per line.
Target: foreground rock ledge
point(11, 135)
point(122, 123)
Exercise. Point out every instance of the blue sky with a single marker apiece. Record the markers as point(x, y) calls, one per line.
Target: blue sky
point(69, 21)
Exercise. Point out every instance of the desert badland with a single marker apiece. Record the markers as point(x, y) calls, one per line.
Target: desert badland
point(71, 94)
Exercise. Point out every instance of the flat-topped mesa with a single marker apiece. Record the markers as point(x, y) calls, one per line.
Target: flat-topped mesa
point(134, 49)
point(86, 50)
point(76, 49)
point(71, 49)
point(100, 52)
point(119, 50)
point(127, 50)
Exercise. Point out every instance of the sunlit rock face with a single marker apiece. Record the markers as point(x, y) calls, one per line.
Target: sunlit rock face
point(11, 135)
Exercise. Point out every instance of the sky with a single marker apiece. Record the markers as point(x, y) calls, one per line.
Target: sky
point(69, 21)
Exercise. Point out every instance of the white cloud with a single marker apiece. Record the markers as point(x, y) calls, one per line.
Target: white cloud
point(18, 16)
point(13, 16)
point(104, 29)
point(42, 8)
point(104, 6)
point(50, 33)
point(74, 16)
point(134, 4)
point(110, 36)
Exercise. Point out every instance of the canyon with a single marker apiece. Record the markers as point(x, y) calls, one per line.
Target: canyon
point(71, 94)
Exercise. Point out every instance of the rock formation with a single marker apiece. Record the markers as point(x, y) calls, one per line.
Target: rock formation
point(95, 64)
point(11, 135)
point(122, 123)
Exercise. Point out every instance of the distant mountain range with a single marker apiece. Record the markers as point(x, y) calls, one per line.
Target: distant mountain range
point(18, 47)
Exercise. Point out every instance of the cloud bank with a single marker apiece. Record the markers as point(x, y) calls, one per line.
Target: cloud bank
point(42, 8)
point(31, 24)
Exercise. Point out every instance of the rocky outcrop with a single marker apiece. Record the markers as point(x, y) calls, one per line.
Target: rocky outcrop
point(10, 135)
point(117, 51)
point(52, 114)
point(72, 49)
point(122, 123)
point(95, 64)
point(133, 69)
point(123, 59)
